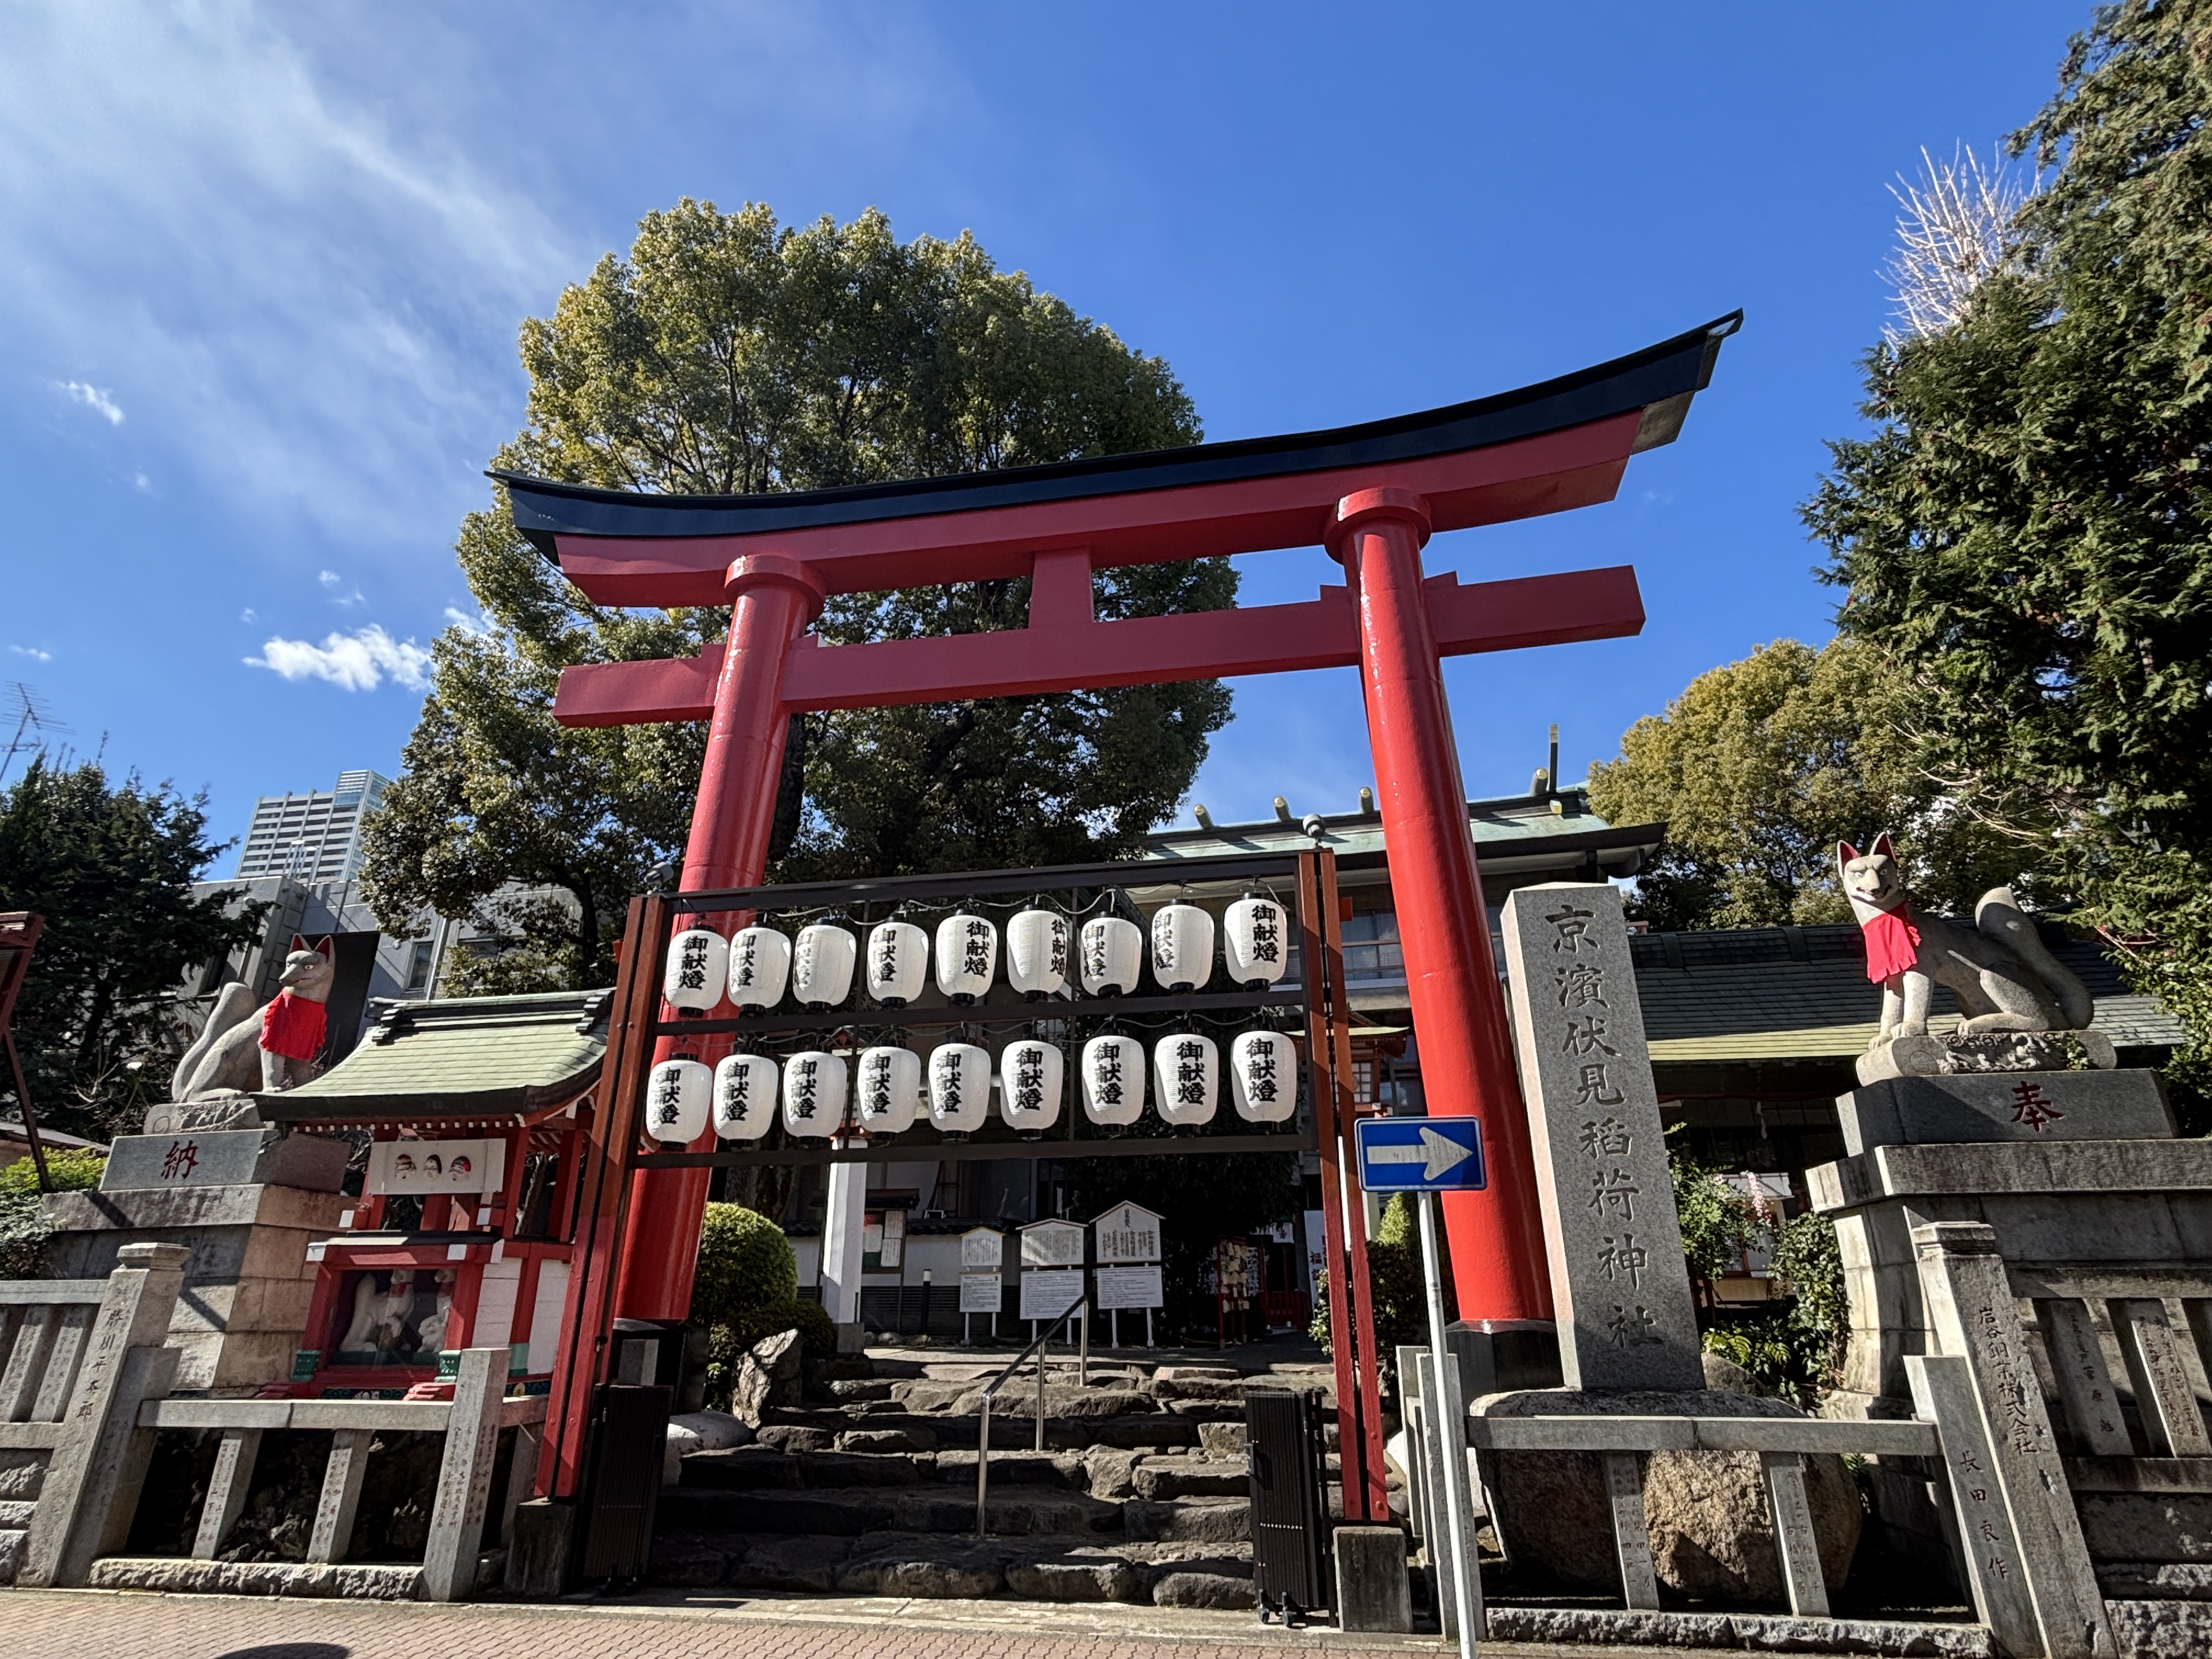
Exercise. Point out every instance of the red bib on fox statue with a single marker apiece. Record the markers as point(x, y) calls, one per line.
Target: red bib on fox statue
point(1893, 945)
point(292, 1025)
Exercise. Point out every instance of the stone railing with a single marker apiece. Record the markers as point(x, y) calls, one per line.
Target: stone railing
point(471, 1423)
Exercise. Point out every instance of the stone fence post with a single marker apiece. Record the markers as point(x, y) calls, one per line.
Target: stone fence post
point(1975, 1316)
point(92, 1484)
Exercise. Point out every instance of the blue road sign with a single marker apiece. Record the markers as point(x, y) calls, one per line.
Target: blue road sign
point(1420, 1155)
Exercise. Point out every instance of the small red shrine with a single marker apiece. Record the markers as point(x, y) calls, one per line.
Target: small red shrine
point(461, 1234)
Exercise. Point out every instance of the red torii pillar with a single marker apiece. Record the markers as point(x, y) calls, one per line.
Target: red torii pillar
point(1372, 494)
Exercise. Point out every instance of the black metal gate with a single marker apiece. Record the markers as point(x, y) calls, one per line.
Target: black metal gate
point(622, 1490)
point(1286, 1452)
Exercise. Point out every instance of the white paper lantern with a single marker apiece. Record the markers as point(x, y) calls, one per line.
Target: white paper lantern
point(760, 963)
point(1263, 1077)
point(1182, 947)
point(1037, 953)
point(698, 970)
point(814, 1094)
point(967, 952)
point(822, 964)
point(1112, 956)
point(887, 1090)
point(677, 1096)
point(959, 1088)
point(1113, 1080)
point(898, 961)
point(1029, 1076)
point(1186, 1078)
point(744, 1096)
point(1255, 941)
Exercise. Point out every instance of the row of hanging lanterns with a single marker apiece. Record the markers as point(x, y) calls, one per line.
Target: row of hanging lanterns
point(754, 966)
point(892, 1089)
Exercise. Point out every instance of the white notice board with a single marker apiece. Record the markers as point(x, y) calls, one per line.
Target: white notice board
point(981, 1250)
point(1052, 1244)
point(980, 1293)
point(1130, 1287)
point(1048, 1292)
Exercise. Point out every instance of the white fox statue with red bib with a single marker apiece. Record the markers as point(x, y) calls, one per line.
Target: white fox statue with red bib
point(2020, 1009)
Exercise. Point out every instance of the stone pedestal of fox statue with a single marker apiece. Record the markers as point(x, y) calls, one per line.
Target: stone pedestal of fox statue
point(2020, 1009)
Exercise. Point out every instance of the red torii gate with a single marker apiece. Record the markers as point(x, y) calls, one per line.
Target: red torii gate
point(1372, 494)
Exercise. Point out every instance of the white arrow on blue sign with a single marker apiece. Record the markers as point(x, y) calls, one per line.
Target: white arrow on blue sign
point(1420, 1155)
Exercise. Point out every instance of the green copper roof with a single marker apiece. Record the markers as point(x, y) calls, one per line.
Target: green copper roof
point(458, 1057)
point(1771, 993)
point(1539, 831)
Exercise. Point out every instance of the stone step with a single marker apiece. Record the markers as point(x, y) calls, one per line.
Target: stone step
point(1160, 1477)
point(930, 1564)
point(11, 1553)
point(850, 1512)
point(15, 1513)
point(1188, 1521)
point(754, 1469)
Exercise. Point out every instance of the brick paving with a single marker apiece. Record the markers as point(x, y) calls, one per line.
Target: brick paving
point(124, 1624)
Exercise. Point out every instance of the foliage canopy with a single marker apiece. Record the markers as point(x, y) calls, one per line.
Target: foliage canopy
point(729, 353)
point(110, 866)
point(1761, 766)
point(2026, 534)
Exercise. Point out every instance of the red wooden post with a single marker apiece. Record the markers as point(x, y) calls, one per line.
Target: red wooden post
point(773, 599)
point(1451, 980)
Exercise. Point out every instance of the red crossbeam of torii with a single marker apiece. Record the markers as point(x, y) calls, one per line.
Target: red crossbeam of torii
point(1371, 493)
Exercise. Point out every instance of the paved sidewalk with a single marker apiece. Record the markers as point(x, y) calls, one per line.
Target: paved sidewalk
point(129, 1625)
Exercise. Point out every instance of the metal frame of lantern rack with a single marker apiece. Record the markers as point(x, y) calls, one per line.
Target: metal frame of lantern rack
point(638, 1017)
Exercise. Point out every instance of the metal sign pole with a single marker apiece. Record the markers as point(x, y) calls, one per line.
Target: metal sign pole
point(1450, 1420)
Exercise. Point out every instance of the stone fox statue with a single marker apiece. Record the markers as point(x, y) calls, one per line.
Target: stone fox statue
point(234, 1052)
point(2004, 979)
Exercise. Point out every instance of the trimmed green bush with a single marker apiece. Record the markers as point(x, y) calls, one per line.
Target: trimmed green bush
point(745, 1262)
point(74, 1171)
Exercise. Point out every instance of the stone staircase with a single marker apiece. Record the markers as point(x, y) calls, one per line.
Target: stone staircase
point(869, 1488)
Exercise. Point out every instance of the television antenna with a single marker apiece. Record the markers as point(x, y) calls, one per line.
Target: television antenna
point(34, 722)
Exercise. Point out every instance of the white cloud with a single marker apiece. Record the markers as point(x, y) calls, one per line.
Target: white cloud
point(359, 661)
point(468, 624)
point(32, 653)
point(332, 582)
point(247, 616)
point(94, 397)
point(142, 483)
point(330, 579)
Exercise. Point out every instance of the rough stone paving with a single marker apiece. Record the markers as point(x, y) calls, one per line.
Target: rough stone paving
point(45, 1625)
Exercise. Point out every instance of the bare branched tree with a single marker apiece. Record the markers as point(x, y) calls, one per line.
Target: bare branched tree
point(1957, 228)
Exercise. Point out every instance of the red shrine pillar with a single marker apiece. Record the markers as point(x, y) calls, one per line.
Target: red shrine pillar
point(773, 601)
point(1443, 928)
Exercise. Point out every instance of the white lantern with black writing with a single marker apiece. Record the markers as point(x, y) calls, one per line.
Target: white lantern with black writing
point(1029, 1076)
point(1112, 1081)
point(1255, 941)
point(760, 965)
point(959, 1088)
point(887, 1090)
point(1037, 953)
point(1182, 947)
point(967, 955)
point(898, 962)
point(677, 1096)
point(1112, 956)
point(744, 1096)
point(1186, 1078)
point(1263, 1077)
point(814, 1094)
point(822, 960)
point(698, 969)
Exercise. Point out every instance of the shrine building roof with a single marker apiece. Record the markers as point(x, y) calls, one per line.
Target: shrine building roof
point(459, 1058)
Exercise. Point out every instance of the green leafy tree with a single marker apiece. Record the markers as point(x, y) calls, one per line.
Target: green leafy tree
point(727, 354)
point(1761, 766)
point(2026, 533)
point(110, 867)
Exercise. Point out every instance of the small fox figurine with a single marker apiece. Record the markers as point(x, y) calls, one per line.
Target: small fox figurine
point(2004, 979)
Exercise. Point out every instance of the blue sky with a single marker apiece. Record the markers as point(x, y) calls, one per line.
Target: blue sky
point(261, 270)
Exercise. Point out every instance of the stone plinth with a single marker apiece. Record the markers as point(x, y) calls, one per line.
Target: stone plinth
point(247, 1280)
point(2003, 1106)
point(224, 1158)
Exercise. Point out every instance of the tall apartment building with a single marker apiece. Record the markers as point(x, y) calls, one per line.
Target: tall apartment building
point(314, 837)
